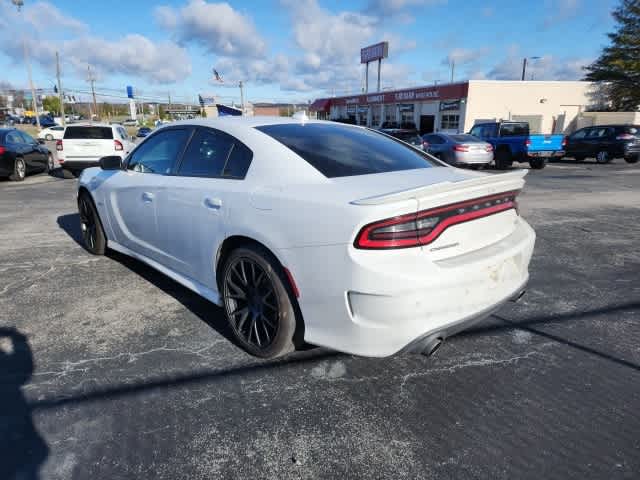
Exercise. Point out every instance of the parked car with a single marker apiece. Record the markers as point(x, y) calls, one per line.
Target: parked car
point(130, 122)
point(512, 142)
point(45, 121)
point(52, 133)
point(604, 143)
point(406, 135)
point(21, 154)
point(143, 132)
point(310, 230)
point(458, 149)
point(83, 145)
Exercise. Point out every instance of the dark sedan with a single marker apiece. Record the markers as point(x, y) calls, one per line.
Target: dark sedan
point(604, 143)
point(143, 132)
point(21, 154)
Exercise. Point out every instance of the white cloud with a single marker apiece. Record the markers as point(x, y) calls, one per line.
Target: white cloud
point(562, 10)
point(133, 54)
point(464, 56)
point(395, 7)
point(216, 26)
point(547, 67)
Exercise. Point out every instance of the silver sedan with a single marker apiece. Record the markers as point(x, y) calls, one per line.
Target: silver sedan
point(458, 149)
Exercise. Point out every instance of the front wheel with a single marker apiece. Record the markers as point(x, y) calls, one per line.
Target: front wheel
point(537, 163)
point(93, 236)
point(633, 159)
point(258, 302)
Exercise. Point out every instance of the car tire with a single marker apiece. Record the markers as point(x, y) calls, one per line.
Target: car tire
point(503, 159)
point(603, 157)
point(259, 302)
point(633, 159)
point(579, 158)
point(51, 164)
point(48, 137)
point(19, 170)
point(93, 237)
point(537, 163)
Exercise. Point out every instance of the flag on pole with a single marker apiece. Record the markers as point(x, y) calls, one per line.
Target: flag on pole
point(217, 76)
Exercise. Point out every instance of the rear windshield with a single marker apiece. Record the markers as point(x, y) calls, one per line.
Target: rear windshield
point(88, 133)
point(514, 129)
point(341, 151)
point(465, 138)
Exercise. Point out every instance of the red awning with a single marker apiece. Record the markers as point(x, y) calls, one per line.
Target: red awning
point(321, 105)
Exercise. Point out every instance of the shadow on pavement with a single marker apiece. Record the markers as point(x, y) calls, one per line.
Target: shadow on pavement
point(529, 326)
point(22, 449)
point(70, 223)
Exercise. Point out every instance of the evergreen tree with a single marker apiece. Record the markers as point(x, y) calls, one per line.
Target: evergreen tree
point(617, 70)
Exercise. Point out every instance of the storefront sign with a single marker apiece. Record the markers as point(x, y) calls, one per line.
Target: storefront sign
point(406, 107)
point(451, 105)
point(374, 52)
point(454, 91)
point(363, 109)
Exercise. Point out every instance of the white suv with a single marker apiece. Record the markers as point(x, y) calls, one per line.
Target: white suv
point(84, 145)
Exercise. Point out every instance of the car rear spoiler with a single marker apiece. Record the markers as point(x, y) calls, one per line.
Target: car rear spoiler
point(496, 183)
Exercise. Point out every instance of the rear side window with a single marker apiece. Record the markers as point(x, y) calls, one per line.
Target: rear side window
point(13, 137)
point(88, 133)
point(514, 129)
point(340, 151)
point(206, 155)
point(238, 162)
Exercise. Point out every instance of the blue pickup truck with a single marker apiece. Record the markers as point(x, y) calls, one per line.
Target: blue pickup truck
point(512, 142)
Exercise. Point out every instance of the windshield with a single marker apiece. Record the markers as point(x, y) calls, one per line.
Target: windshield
point(340, 151)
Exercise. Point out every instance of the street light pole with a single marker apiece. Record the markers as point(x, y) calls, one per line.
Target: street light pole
point(524, 66)
point(19, 4)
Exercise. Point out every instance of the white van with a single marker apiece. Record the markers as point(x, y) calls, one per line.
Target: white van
point(82, 146)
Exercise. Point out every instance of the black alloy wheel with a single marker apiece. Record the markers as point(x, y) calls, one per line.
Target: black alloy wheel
point(258, 303)
point(603, 157)
point(93, 236)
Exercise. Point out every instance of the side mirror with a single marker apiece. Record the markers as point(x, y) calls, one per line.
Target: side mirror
point(112, 162)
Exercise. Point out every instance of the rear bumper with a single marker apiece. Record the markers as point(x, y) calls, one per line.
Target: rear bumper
point(473, 158)
point(368, 304)
point(546, 154)
point(78, 165)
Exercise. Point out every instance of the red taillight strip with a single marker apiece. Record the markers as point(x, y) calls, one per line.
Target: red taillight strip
point(364, 242)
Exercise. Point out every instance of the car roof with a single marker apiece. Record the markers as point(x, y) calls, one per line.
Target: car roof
point(249, 122)
point(92, 124)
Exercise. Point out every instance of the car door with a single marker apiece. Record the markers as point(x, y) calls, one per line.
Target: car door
point(15, 143)
point(576, 145)
point(134, 192)
point(437, 145)
point(194, 207)
point(34, 156)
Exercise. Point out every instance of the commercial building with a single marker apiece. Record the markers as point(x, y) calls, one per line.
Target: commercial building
point(548, 106)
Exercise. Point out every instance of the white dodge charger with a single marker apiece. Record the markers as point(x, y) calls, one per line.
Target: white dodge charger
point(313, 231)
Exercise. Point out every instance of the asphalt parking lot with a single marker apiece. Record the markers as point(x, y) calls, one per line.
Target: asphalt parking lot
point(135, 377)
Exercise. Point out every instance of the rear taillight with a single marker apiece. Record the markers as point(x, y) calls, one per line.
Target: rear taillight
point(564, 141)
point(2, 149)
point(422, 228)
point(489, 148)
point(425, 145)
point(59, 146)
point(527, 142)
point(625, 136)
point(118, 145)
point(461, 148)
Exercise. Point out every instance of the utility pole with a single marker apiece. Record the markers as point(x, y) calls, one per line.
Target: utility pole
point(241, 85)
point(169, 108)
point(19, 4)
point(60, 94)
point(92, 80)
point(453, 69)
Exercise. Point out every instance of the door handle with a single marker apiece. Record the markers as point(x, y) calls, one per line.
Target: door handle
point(147, 197)
point(212, 203)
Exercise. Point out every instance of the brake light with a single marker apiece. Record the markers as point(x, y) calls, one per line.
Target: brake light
point(2, 149)
point(59, 146)
point(527, 142)
point(564, 141)
point(118, 145)
point(625, 136)
point(425, 145)
point(461, 148)
point(489, 148)
point(422, 228)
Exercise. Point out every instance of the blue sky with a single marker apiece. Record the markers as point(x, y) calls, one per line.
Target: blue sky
point(294, 50)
